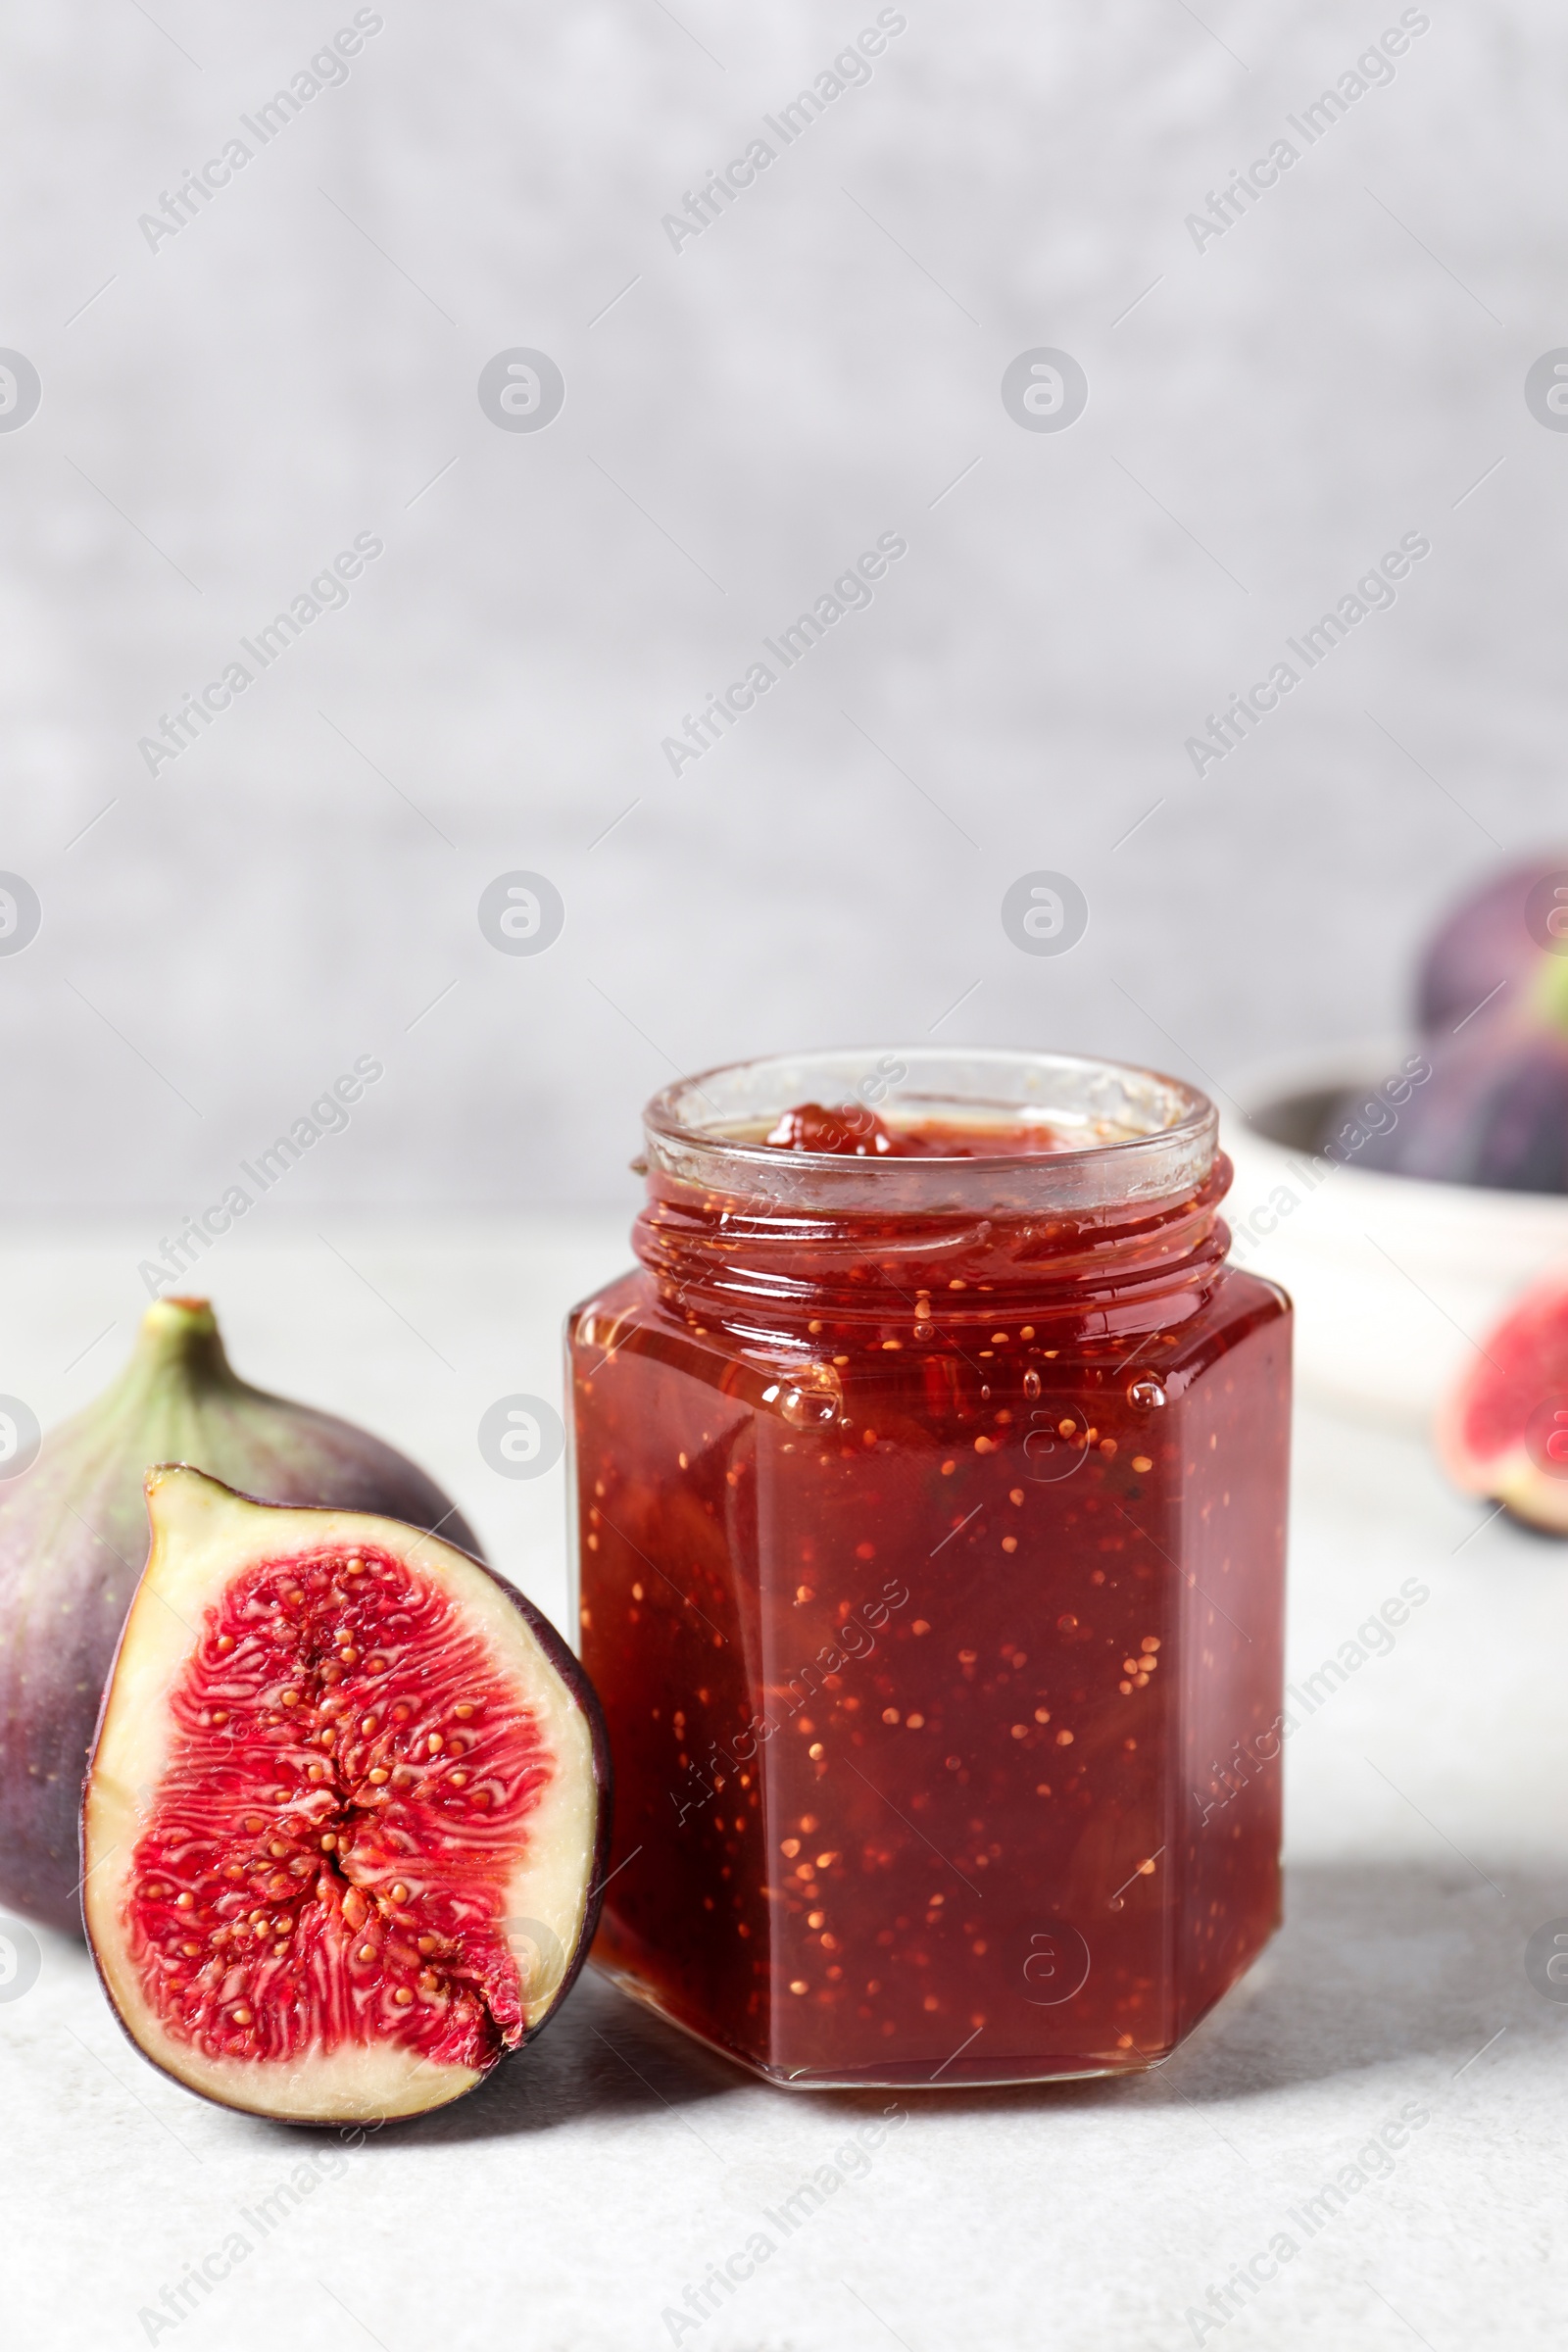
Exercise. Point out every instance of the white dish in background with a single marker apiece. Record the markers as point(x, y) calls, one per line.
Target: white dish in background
point(1396, 1280)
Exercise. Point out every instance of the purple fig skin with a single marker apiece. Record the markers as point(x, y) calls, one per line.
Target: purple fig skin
point(1494, 1113)
point(570, 1669)
point(1482, 941)
point(74, 1541)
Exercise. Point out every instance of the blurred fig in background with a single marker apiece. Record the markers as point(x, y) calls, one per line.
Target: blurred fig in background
point(1502, 1431)
point(1494, 1111)
point(1492, 1005)
point(1487, 944)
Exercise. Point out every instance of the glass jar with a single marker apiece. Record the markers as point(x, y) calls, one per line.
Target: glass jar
point(931, 1535)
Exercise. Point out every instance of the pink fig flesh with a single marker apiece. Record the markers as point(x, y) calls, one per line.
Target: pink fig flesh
point(1502, 1432)
point(346, 1813)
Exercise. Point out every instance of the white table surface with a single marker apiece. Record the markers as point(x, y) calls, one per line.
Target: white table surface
point(568, 2204)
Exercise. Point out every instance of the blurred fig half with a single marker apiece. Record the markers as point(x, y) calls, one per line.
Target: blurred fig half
point(1502, 1432)
point(74, 1540)
point(345, 1819)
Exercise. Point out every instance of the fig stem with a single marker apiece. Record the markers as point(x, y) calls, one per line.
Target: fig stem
point(1549, 999)
point(180, 1335)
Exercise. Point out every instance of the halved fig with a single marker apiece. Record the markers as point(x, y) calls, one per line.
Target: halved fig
point(346, 1815)
point(1502, 1431)
point(74, 1538)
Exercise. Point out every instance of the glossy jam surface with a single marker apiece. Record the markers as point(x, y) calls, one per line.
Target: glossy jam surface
point(931, 1577)
point(346, 1794)
point(853, 1129)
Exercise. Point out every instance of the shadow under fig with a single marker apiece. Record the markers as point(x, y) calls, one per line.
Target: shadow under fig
point(1377, 1961)
point(602, 2055)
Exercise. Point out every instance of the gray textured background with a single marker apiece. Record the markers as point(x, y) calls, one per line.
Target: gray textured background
point(300, 361)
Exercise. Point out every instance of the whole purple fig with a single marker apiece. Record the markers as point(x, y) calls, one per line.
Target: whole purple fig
point(1484, 948)
point(74, 1541)
point(1495, 1109)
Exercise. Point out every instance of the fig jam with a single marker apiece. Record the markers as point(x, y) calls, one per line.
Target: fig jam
point(931, 1485)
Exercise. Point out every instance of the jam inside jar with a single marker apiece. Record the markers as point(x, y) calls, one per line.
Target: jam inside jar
point(931, 1500)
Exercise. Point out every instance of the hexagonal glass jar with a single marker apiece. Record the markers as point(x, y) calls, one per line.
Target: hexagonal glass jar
point(931, 1535)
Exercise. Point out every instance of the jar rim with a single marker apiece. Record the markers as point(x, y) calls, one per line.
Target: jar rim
point(1148, 1137)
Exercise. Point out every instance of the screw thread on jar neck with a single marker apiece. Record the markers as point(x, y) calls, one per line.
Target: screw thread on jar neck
point(1121, 1208)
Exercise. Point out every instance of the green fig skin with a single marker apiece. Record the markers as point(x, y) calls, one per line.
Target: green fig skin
point(74, 1541)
